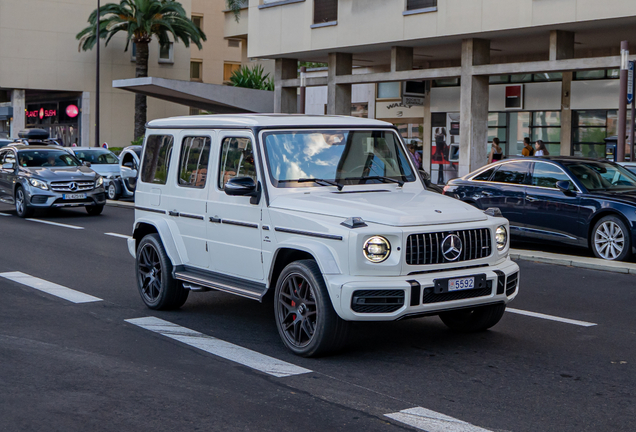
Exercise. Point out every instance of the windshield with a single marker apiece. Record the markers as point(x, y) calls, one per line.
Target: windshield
point(602, 176)
point(343, 156)
point(97, 156)
point(46, 158)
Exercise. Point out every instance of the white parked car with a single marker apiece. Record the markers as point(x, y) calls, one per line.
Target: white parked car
point(326, 212)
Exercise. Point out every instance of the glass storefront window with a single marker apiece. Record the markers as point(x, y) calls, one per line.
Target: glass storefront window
point(590, 135)
point(586, 75)
point(613, 73)
point(591, 118)
point(551, 134)
point(589, 150)
point(389, 90)
point(546, 118)
point(497, 132)
point(496, 119)
point(518, 129)
point(521, 78)
point(499, 79)
point(542, 77)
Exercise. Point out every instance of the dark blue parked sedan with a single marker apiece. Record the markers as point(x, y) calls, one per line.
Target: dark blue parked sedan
point(578, 201)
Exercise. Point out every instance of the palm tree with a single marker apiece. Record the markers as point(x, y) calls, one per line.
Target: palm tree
point(141, 20)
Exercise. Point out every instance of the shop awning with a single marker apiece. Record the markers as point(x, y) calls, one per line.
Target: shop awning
point(215, 98)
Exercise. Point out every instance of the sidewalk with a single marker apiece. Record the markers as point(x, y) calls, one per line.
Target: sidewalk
point(573, 261)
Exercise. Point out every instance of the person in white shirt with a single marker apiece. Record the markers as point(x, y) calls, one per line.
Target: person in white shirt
point(540, 149)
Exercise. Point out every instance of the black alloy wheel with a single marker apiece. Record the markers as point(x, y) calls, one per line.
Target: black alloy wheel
point(473, 320)
point(306, 320)
point(158, 289)
point(21, 207)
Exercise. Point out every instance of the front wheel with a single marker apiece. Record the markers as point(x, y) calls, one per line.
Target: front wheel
point(111, 192)
point(306, 320)
point(158, 289)
point(473, 320)
point(94, 210)
point(21, 207)
point(611, 239)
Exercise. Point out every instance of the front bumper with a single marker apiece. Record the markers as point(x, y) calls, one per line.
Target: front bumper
point(417, 292)
point(38, 198)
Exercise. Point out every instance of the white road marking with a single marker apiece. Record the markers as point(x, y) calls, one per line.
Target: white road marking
point(50, 287)
point(431, 421)
point(212, 345)
point(55, 223)
point(4, 214)
point(124, 236)
point(551, 317)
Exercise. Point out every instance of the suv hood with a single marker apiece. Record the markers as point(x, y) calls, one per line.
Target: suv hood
point(63, 173)
point(394, 208)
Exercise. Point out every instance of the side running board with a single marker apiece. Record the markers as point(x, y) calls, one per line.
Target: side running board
point(232, 285)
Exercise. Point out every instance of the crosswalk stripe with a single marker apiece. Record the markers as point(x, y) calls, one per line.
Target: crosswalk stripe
point(431, 421)
point(124, 236)
point(551, 317)
point(220, 348)
point(55, 223)
point(50, 287)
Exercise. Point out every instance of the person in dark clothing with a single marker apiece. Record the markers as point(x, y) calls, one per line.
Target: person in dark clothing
point(496, 152)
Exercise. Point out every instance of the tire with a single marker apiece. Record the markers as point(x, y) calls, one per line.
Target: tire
point(611, 239)
point(473, 320)
point(319, 330)
point(94, 210)
point(21, 207)
point(111, 192)
point(158, 289)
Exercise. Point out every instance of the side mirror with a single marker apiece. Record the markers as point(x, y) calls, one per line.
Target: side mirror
point(10, 166)
point(244, 186)
point(129, 165)
point(86, 164)
point(564, 186)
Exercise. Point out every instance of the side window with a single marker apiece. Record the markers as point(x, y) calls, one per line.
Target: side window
point(9, 157)
point(513, 173)
point(3, 156)
point(157, 159)
point(237, 160)
point(485, 175)
point(193, 163)
point(547, 175)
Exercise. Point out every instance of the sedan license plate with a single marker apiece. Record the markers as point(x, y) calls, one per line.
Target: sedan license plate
point(73, 196)
point(461, 284)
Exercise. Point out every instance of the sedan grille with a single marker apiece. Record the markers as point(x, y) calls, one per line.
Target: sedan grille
point(72, 186)
point(422, 249)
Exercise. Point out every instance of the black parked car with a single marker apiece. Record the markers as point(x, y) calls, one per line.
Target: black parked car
point(577, 201)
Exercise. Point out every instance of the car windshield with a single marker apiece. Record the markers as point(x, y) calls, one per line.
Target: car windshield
point(97, 156)
point(46, 158)
point(602, 176)
point(342, 156)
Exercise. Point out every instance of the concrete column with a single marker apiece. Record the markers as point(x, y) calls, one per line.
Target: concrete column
point(18, 102)
point(285, 98)
point(566, 115)
point(401, 58)
point(473, 149)
point(561, 45)
point(339, 95)
point(427, 134)
point(85, 120)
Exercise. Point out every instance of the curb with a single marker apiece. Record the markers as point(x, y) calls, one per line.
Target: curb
point(573, 261)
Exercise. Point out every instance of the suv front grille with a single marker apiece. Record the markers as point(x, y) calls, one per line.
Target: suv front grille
point(377, 301)
point(81, 186)
point(422, 249)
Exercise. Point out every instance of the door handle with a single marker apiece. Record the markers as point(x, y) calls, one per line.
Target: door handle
point(173, 213)
point(532, 199)
point(486, 193)
point(215, 220)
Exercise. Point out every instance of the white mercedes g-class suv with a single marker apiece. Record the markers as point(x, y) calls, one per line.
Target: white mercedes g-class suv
point(327, 212)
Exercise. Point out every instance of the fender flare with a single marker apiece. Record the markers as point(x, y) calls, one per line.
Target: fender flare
point(324, 256)
point(176, 250)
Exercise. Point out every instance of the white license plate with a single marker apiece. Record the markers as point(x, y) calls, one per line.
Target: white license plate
point(461, 284)
point(73, 196)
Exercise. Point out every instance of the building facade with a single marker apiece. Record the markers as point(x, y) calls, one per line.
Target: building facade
point(453, 74)
point(46, 82)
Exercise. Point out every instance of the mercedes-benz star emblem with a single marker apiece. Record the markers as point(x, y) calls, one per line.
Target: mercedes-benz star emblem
point(451, 247)
point(73, 186)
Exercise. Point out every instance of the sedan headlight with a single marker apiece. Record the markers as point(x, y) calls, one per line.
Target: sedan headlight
point(376, 249)
point(99, 182)
point(501, 236)
point(38, 184)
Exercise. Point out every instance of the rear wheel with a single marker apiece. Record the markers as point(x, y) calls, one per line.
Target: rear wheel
point(112, 192)
point(473, 320)
point(306, 320)
point(611, 239)
point(21, 207)
point(158, 289)
point(95, 210)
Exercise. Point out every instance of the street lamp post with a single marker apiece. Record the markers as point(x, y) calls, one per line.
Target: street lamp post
point(622, 103)
point(97, 80)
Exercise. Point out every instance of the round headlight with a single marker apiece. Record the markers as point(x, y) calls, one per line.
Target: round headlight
point(376, 249)
point(501, 236)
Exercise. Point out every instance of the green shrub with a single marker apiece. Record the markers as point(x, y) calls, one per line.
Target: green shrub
point(254, 78)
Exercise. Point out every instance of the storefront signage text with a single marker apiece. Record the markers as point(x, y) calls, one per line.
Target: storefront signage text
point(41, 113)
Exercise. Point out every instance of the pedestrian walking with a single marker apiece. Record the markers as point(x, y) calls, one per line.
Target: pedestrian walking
point(415, 156)
point(527, 148)
point(540, 149)
point(496, 152)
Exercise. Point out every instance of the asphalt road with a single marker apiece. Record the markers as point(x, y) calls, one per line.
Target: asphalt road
point(68, 366)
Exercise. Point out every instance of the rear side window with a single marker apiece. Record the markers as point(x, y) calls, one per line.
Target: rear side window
point(547, 175)
point(157, 159)
point(237, 160)
point(513, 173)
point(193, 163)
point(484, 176)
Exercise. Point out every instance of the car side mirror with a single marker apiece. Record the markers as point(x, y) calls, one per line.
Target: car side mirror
point(86, 164)
point(129, 165)
point(10, 166)
point(564, 186)
point(244, 186)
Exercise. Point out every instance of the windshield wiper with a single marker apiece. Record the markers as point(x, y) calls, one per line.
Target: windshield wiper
point(322, 182)
point(383, 179)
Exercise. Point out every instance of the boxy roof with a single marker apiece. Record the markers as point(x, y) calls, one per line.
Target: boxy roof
point(263, 120)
